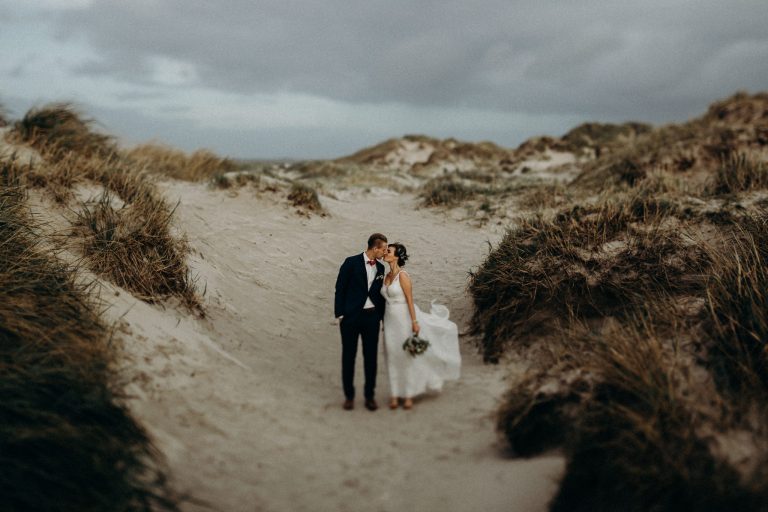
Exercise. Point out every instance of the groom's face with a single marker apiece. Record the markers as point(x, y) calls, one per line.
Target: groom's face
point(380, 250)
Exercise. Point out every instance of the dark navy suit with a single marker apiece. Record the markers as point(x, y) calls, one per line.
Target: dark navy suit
point(351, 294)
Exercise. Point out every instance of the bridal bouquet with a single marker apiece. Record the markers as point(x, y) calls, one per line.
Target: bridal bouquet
point(415, 345)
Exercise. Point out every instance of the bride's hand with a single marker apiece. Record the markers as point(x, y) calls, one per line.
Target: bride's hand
point(416, 328)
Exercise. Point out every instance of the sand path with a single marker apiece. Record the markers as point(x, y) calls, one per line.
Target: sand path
point(246, 403)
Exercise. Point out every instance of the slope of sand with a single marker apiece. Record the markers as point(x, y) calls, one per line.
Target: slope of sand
point(245, 404)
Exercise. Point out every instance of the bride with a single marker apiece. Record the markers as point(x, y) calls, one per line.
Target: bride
point(410, 376)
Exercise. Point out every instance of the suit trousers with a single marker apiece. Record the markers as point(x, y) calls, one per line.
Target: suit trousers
point(365, 326)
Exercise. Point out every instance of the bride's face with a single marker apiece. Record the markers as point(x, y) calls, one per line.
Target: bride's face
point(390, 255)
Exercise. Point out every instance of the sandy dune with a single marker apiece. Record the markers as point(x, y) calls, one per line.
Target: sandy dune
point(246, 403)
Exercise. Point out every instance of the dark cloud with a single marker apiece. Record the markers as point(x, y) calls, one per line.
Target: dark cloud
point(617, 59)
point(326, 78)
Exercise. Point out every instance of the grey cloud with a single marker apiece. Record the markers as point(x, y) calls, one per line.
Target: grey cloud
point(597, 58)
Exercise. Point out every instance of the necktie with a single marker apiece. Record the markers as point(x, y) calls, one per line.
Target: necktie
point(371, 262)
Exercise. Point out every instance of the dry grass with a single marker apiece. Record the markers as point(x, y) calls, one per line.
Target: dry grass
point(339, 175)
point(441, 152)
point(539, 413)
point(67, 440)
point(654, 305)
point(739, 173)
point(600, 137)
point(636, 446)
point(628, 415)
point(305, 198)
point(132, 246)
point(58, 128)
point(447, 191)
point(737, 305)
point(694, 149)
point(240, 179)
point(3, 116)
point(542, 197)
point(325, 170)
point(588, 261)
point(461, 187)
point(201, 165)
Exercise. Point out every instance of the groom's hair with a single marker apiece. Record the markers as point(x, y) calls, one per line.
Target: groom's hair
point(375, 239)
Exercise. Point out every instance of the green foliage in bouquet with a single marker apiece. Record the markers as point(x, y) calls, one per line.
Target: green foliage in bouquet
point(415, 345)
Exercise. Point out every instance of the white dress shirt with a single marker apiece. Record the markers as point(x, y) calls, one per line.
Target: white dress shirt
point(371, 269)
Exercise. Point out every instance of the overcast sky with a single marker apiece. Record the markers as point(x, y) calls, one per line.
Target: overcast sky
point(323, 78)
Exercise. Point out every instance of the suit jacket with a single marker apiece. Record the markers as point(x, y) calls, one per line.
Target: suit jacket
point(352, 288)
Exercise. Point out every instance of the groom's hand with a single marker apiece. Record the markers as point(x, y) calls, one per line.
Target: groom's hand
point(337, 320)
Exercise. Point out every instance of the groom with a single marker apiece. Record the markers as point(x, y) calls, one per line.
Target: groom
point(359, 306)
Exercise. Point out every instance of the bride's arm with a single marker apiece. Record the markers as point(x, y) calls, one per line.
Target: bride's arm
point(405, 283)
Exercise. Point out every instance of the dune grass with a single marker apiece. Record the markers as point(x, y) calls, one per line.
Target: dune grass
point(67, 440)
point(132, 244)
point(240, 179)
point(58, 128)
point(629, 418)
point(636, 446)
point(656, 341)
point(600, 137)
point(201, 165)
point(447, 191)
point(592, 261)
point(3, 116)
point(539, 413)
point(739, 173)
point(460, 187)
point(737, 306)
point(305, 198)
point(648, 300)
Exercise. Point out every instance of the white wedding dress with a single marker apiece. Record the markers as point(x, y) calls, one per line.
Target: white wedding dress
point(410, 376)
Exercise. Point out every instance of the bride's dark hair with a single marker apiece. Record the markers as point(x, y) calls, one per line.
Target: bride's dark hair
point(400, 252)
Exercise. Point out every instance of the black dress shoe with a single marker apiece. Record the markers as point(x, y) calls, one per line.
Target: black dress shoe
point(348, 405)
point(371, 404)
